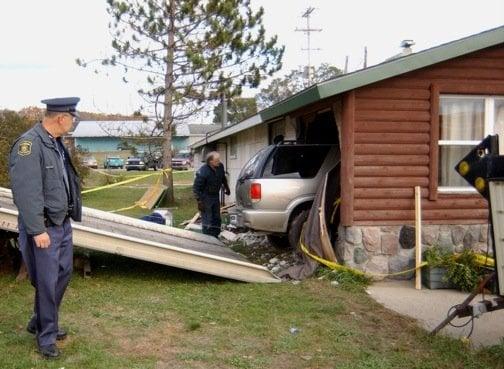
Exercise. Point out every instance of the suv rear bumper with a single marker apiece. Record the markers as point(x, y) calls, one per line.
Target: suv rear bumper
point(260, 220)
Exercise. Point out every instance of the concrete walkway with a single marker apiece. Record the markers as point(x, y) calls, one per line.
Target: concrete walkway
point(430, 307)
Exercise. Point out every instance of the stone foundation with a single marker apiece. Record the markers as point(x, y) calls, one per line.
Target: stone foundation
point(391, 249)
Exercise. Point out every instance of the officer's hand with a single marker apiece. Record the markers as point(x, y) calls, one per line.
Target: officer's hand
point(42, 240)
point(201, 206)
point(227, 191)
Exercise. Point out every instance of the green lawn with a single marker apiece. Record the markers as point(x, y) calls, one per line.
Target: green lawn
point(124, 196)
point(97, 178)
point(133, 314)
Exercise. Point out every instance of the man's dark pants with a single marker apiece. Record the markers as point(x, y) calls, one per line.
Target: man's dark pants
point(210, 217)
point(50, 270)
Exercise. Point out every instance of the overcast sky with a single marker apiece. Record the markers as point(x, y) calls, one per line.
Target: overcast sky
point(40, 40)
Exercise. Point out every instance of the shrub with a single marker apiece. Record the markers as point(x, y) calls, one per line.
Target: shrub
point(12, 125)
point(462, 270)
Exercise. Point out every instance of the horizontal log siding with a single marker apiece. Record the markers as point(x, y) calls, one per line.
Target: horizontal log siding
point(393, 148)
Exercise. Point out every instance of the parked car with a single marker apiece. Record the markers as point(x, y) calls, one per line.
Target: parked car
point(182, 161)
point(90, 162)
point(113, 162)
point(276, 188)
point(135, 163)
point(152, 160)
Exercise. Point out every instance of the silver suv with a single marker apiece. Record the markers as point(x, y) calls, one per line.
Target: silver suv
point(276, 188)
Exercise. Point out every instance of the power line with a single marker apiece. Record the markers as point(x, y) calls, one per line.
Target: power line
point(307, 31)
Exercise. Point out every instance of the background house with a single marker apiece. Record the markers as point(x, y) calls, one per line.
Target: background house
point(107, 138)
point(188, 134)
point(400, 124)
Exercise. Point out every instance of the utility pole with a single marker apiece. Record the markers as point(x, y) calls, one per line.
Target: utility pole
point(307, 31)
point(345, 71)
point(365, 57)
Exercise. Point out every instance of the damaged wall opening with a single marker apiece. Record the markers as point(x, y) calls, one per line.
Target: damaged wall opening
point(318, 128)
point(322, 128)
point(320, 132)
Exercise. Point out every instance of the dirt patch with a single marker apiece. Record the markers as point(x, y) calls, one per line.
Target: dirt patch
point(173, 346)
point(160, 341)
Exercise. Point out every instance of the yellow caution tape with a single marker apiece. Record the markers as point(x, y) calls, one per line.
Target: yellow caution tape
point(335, 266)
point(328, 263)
point(482, 260)
point(130, 180)
point(112, 185)
point(485, 261)
point(140, 204)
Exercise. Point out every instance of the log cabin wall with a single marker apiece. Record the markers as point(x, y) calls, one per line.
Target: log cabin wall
point(390, 143)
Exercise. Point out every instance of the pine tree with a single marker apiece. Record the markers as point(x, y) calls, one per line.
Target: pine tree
point(238, 109)
point(192, 52)
point(281, 88)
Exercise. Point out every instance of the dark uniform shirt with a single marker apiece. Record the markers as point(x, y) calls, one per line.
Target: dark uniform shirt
point(44, 183)
point(209, 181)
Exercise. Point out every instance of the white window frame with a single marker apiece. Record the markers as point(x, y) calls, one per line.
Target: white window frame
point(488, 129)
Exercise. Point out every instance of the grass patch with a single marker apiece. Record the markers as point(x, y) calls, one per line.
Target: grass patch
point(97, 178)
point(124, 196)
point(133, 314)
point(138, 315)
point(193, 325)
point(348, 279)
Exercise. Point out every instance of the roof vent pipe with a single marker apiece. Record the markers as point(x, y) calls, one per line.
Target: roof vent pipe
point(406, 46)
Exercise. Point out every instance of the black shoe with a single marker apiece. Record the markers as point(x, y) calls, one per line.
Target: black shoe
point(60, 336)
point(49, 352)
point(31, 327)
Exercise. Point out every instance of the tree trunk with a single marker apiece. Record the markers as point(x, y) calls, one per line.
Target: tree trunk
point(168, 107)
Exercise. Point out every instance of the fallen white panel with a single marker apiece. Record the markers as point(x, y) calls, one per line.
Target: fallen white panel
point(160, 244)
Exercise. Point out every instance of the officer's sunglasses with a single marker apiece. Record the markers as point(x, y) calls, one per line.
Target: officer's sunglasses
point(75, 117)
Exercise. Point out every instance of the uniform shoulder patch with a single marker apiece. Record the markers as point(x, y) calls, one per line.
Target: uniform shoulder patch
point(24, 148)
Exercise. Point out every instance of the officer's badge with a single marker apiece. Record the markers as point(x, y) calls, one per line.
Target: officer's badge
point(24, 148)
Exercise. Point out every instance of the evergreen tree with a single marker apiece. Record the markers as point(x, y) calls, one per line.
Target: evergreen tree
point(191, 51)
point(238, 109)
point(282, 88)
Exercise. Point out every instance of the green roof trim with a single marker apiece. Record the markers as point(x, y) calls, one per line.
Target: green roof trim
point(364, 77)
point(385, 70)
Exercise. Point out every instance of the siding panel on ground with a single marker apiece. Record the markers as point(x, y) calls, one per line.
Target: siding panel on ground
point(393, 148)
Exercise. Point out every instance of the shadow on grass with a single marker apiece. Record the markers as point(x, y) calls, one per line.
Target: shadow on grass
point(105, 265)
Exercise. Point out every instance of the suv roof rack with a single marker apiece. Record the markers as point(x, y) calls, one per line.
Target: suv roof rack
point(298, 143)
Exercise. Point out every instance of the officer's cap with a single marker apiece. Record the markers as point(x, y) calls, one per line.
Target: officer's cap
point(62, 105)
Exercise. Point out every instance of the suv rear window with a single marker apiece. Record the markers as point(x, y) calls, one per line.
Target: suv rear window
point(295, 161)
point(250, 168)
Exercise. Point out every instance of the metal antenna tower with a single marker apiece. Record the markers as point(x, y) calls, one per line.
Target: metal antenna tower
point(307, 31)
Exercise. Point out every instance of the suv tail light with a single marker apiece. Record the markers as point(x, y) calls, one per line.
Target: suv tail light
point(255, 192)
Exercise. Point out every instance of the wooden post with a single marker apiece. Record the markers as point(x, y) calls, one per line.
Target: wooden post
point(418, 237)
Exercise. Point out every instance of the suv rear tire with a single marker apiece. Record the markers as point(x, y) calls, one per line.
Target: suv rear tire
point(296, 226)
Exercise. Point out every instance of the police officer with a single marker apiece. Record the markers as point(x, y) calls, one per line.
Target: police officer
point(46, 191)
point(209, 180)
